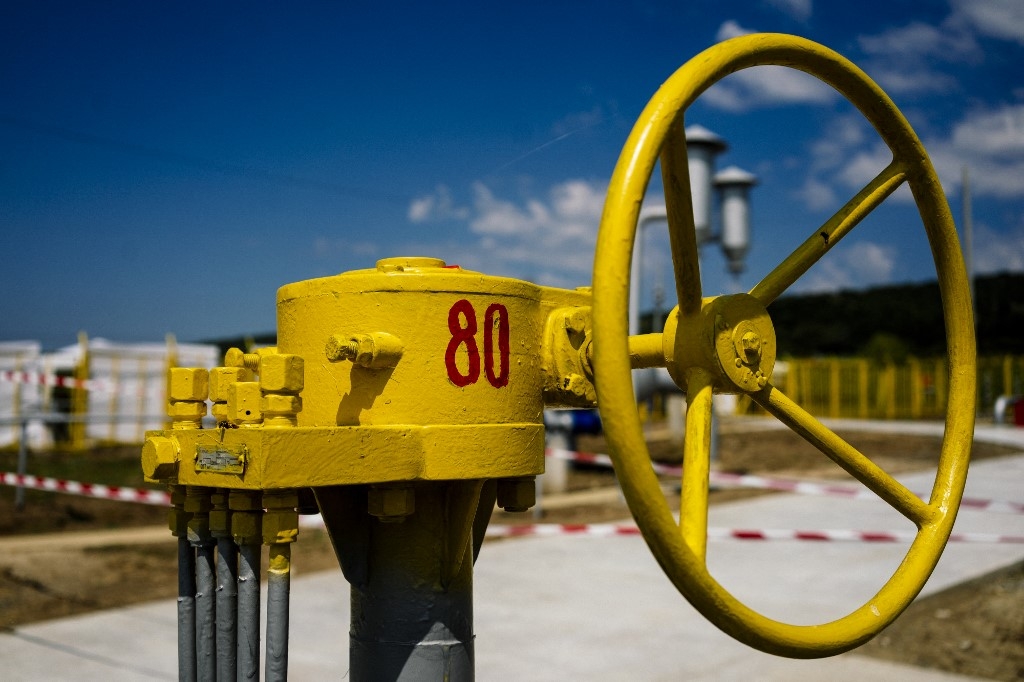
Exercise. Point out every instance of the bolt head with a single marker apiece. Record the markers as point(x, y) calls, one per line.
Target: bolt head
point(159, 458)
point(187, 383)
point(391, 503)
point(244, 402)
point(222, 377)
point(517, 494)
point(281, 373)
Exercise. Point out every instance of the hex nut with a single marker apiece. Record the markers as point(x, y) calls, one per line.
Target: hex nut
point(281, 373)
point(244, 402)
point(390, 503)
point(186, 410)
point(159, 458)
point(280, 526)
point(276, 403)
point(187, 383)
point(246, 527)
point(222, 377)
point(517, 494)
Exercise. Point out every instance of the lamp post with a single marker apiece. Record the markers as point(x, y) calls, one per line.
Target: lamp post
point(731, 188)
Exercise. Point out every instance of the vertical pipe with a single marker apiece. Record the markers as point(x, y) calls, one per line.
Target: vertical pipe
point(198, 503)
point(412, 607)
point(186, 611)
point(227, 607)
point(278, 588)
point(205, 605)
point(249, 611)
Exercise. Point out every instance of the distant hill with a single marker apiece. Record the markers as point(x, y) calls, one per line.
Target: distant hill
point(895, 320)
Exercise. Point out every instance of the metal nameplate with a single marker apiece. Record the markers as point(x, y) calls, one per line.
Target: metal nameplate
point(221, 458)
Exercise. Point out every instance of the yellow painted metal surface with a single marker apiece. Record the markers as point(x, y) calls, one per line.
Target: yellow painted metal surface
point(726, 344)
point(412, 370)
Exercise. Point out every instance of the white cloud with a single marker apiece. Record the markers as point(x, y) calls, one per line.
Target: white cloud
point(817, 195)
point(990, 142)
point(548, 239)
point(907, 60)
point(1002, 19)
point(798, 9)
point(850, 266)
point(767, 86)
point(436, 207)
point(731, 29)
point(998, 251)
point(763, 86)
point(917, 40)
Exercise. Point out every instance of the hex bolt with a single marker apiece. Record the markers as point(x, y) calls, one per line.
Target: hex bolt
point(377, 350)
point(160, 458)
point(236, 357)
point(244, 403)
point(220, 379)
point(187, 390)
point(281, 381)
point(517, 494)
point(391, 503)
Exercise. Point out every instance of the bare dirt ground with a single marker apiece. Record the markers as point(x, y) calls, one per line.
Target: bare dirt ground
point(66, 555)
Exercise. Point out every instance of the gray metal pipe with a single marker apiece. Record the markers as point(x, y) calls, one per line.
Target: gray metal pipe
point(186, 611)
point(227, 607)
point(278, 589)
point(206, 614)
point(249, 611)
point(412, 615)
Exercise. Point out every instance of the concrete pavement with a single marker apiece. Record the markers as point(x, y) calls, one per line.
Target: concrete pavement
point(566, 608)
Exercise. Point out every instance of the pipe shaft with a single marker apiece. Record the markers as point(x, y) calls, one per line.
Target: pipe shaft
point(278, 588)
point(227, 607)
point(186, 611)
point(249, 612)
point(206, 614)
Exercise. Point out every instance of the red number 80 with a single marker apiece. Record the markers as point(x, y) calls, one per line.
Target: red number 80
point(462, 324)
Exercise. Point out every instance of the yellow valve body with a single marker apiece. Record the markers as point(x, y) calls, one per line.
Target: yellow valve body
point(462, 399)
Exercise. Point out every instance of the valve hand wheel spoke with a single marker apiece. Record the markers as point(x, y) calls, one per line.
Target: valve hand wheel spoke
point(829, 234)
point(727, 344)
point(693, 501)
point(675, 173)
point(845, 455)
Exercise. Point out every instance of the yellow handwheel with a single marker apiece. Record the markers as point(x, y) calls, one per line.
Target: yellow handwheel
point(726, 344)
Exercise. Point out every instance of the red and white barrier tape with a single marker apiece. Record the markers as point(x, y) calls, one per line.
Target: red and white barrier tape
point(106, 492)
point(159, 497)
point(784, 484)
point(605, 530)
point(130, 387)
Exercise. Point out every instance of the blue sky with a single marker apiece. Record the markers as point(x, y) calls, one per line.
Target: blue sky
point(165, 167)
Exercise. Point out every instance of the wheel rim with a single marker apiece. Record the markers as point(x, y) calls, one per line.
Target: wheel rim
point(658, 133)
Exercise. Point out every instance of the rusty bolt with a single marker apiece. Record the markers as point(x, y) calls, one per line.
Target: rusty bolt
point(517, 494)
point(159, 458)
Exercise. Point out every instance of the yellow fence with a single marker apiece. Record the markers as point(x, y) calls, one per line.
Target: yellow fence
point(917, 389)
